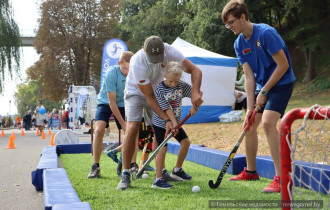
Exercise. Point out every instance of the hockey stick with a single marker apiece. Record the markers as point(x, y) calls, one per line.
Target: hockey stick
point(145, 165)
point(143, 154)
point(233, 152)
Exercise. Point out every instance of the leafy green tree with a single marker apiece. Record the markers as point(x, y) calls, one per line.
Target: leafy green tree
point(309, 22)
point(141, 19)
point(204, 27)
point(28, 95)
point(10, 42)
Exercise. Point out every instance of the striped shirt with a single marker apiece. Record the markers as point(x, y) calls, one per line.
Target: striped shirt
point(170, 98)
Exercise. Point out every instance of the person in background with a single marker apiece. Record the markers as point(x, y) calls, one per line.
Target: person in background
point(240, 100)
point(18, 122)
point(240, 83)
point(41, 118)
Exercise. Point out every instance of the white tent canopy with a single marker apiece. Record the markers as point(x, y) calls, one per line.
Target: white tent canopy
point(218, 82)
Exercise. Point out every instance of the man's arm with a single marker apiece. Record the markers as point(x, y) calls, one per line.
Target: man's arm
point(115, 110)
point(152, 101)
point(196, 81)
point(282, 66)
point(250, 86)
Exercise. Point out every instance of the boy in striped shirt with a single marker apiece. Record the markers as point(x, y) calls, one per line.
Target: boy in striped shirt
point(169, 94)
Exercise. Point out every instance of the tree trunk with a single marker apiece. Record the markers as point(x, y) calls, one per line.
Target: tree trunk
point(310, 71)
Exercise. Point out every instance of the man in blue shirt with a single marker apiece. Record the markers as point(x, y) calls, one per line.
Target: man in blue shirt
point(268, 82)
point(110, 100)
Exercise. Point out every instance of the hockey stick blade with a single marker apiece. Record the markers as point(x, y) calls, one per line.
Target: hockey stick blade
point(145, 165)
point(232, 153)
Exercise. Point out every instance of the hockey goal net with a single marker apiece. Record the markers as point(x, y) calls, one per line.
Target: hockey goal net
point(305, 163)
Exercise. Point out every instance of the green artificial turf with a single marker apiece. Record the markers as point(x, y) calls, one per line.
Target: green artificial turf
point(102, 194)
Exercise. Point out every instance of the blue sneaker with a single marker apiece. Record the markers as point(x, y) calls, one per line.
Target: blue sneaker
point(168, 177)
point(149, 168)
point(113, 155)
point(180, 175)
point(125, 181)
point(161, 184)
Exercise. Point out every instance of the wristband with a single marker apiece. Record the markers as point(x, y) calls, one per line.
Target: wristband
point(168, 120)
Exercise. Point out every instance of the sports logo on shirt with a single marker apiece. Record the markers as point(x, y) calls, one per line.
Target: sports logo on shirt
point(258, 44)
point(246, 51)
point(142, 81)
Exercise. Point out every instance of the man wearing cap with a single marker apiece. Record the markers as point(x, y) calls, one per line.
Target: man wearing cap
point(147, 69)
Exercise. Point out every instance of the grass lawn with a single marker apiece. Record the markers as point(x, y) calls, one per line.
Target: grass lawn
point(102, 194)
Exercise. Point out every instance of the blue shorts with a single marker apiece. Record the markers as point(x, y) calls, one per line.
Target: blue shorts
point(278, 98)
point(103, 112)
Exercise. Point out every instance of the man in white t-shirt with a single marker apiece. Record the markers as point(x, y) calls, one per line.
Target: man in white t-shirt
point(147, 69)
point(0, 120)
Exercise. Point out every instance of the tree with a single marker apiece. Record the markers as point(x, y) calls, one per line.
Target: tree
point(309, 24)
point(70, 41)
point(10, 42)
point(204, 27)
point(28, 95)
point(141, 19)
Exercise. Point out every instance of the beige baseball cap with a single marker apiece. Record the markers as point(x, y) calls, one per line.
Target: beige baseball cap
point(154, 48)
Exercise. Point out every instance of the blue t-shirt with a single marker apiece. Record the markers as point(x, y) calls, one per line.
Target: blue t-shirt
point(257, 52)
point(114, 81)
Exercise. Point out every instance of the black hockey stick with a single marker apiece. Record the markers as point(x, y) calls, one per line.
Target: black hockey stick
point(145, 165)
point(232, 153)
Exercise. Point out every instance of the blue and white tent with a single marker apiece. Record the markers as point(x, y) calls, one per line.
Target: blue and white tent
point(218, 83)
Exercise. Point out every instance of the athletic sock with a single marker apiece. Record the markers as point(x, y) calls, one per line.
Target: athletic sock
point(97, 164)
point(126, 170)
point(163, 170)
point(251, 172)
point(176, 170)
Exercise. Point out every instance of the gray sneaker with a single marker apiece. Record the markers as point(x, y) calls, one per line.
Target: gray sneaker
point(167, 177)
point(125, 181)
point(95, 172)
point(134, 168)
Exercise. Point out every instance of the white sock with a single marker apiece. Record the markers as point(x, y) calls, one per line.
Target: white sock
point(176, 169)
point(126, 170)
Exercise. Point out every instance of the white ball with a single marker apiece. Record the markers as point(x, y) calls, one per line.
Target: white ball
point(196, 189)
point(145, 176)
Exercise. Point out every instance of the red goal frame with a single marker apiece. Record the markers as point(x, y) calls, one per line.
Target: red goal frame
point(285, 134)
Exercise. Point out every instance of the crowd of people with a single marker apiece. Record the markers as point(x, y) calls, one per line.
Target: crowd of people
point(56, 119)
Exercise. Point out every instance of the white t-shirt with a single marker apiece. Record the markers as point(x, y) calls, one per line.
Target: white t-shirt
point(241, 98)
point(142, 72)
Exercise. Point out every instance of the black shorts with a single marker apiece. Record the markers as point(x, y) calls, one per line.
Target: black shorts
point(103, 112)
point(160, 134)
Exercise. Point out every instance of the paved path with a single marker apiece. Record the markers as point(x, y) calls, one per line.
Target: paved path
point(16, 165)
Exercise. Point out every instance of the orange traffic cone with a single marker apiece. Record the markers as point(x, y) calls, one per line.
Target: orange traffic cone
point(22, 132)
point(14, 137)
point(43, 135)
point(49, 132)
point(52, 140)
point(2, 134)
point(38, 132)
point(11, 144)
